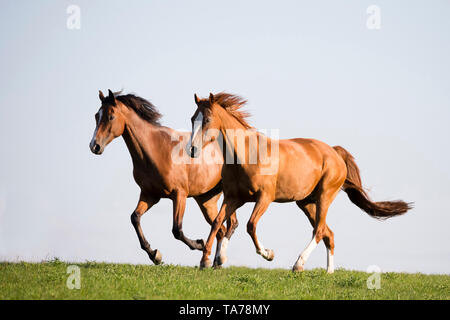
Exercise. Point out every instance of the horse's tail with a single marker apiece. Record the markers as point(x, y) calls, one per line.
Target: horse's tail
point(353, 187)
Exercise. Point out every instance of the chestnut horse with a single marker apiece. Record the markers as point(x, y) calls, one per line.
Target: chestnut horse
point(306, 171)
point(155, 171)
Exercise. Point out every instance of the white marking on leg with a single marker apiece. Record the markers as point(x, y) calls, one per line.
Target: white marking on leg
point(223, 250)
point(263, 252)
point(330, 261)
point(224, 246)
point(305, 254)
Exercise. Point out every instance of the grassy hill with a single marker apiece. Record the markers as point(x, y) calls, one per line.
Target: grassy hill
point(47, 280)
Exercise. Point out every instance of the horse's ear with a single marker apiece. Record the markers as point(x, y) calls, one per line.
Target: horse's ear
point(101, 96)
point(196, 99)
point(211, 98)
point(111, 96)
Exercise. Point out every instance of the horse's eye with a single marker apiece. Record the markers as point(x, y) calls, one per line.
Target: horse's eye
point(111, 117)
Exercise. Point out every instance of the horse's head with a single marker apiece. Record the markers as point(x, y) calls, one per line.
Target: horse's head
point(110, 123)
point(205, 126)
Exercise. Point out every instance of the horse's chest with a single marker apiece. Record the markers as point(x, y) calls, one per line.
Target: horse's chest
point(238, 182)
point(151, 182)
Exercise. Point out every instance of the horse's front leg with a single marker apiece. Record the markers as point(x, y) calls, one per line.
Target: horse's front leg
point(229, 206)
point(261, 206)
point(221, 255)
point(208, 205)
point(142, 207)
point(179, 206)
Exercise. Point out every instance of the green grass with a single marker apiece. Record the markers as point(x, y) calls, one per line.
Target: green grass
point(47, 280)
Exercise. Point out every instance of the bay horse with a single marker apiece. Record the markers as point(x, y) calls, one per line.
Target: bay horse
point(306, 171)
point(151, 148)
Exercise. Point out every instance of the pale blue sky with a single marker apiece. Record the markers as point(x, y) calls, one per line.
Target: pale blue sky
point(308, 68)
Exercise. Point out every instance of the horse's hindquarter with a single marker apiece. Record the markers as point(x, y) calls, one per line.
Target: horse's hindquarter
point(300, 168)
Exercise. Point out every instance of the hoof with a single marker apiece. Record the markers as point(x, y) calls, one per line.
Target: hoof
point(297, 268)
point(219, 261)
point(269, 255)
point(205, 264)
point(157, 257)
point(200, 244)
point(330, 271)
point(222, 259)
point(217, 266)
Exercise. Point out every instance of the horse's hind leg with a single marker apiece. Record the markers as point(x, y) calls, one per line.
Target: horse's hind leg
point(260, 207)
point(329, 189)
point(328, 239)
point(142, 207)
point(309, 208)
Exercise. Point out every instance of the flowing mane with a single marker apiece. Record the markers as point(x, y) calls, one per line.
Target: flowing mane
point(233, 104)
point(144, 108)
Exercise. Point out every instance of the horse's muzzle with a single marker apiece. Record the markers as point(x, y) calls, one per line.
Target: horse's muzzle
point(193, 152)
point(95, 148)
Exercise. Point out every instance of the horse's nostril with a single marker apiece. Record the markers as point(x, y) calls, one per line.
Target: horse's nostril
point(96, 148)
point(193, 151)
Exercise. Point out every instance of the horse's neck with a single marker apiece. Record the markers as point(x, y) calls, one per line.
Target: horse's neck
point(139, 135)
point(234, 134)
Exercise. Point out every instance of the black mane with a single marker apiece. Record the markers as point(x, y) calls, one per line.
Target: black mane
point(144, 108)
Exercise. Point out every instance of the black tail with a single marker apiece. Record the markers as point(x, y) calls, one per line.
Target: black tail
point(353, 187)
